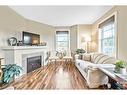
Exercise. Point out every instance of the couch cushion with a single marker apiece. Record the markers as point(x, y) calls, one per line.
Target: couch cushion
point(105, 59)
point(99, 58)
point(109, 60)
point(86, 57)
point(94, 57)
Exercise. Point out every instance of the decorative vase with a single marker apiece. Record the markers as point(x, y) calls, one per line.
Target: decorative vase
point(122, 70)
point(60, 55)
point(77, 56)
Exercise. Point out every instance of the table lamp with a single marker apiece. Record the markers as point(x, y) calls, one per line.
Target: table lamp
point(86, 39)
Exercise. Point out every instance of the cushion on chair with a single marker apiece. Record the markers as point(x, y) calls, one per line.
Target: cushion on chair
point(52, 58)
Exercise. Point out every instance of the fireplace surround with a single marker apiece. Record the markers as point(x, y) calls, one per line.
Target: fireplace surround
point(32, 61)
point(19, 54)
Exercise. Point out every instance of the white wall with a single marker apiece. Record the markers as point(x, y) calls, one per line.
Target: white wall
point(73, 37)
point(77, 32)
point(46, 32)
point(121, 31)
point(61, 28)
point(83, 31)
point(12, 24)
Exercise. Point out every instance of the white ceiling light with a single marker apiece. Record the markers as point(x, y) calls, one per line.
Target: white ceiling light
point(62, 15)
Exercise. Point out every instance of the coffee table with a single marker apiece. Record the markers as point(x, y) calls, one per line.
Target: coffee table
point(116, 80)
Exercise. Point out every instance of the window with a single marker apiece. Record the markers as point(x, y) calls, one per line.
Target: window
point(62, 40)
point(107, 37)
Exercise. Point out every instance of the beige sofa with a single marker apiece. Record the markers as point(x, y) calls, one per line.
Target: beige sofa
point(88, 67)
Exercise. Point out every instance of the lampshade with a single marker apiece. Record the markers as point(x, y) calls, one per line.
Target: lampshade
point(86, 39)
point(83, 39)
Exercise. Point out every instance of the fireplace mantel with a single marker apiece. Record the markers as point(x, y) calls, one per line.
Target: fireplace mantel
point(15, 54)
point(23, 47)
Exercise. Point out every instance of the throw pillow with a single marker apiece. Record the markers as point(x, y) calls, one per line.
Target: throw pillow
point(86, 57)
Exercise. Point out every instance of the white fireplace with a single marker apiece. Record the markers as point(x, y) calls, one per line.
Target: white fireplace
point(25, 58)
point(19, 55)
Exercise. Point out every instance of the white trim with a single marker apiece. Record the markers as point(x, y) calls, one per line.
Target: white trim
point(116, 35)
point(114, 13)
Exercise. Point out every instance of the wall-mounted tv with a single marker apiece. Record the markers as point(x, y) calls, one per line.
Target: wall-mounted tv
point(30, 38)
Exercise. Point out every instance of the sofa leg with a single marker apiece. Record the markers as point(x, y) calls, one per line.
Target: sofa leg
point(106, 86)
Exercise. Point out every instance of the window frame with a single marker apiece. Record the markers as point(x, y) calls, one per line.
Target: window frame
point(115, 34)
point(68, 48)
point(102, 38)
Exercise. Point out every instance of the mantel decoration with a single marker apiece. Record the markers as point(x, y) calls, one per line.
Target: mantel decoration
point(60, 54)
point(9, 73)
point(12, 41)
point(120, 67)
point(43, 44)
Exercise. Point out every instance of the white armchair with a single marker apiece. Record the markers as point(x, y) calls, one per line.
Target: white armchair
point(52, 57)
point(68, 57)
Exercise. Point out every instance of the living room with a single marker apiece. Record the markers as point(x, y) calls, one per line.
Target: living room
point(24, 38)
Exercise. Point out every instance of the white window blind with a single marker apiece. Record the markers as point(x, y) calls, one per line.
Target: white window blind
point(107, 37)
point(62, 40)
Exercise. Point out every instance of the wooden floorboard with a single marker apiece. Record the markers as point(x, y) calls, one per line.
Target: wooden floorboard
point(54, 76)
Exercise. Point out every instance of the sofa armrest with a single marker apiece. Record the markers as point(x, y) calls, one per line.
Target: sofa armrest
point(95, 77)
point(92, 68)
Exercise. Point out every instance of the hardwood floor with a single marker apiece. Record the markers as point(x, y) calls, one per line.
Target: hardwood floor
point(53, 76)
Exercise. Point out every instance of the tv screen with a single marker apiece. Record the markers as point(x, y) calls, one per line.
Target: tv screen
point(30, 38)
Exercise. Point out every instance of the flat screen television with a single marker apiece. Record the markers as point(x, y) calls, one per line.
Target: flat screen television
point(30, 38)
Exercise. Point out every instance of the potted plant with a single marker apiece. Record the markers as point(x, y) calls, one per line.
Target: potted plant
point(79, 53)
point(9, 73)
point(120, 66)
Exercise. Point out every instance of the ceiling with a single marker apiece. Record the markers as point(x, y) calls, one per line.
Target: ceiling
point(62, 15)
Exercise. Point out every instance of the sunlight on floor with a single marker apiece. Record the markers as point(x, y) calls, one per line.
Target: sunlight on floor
point(62, 79)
